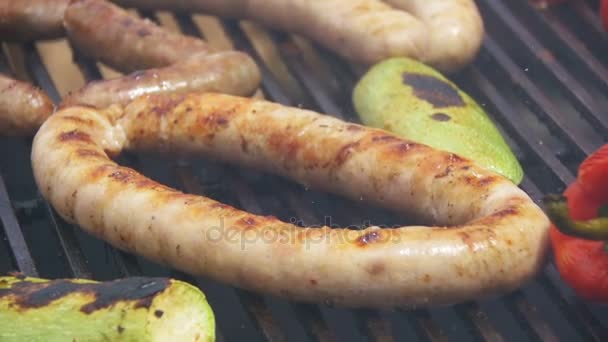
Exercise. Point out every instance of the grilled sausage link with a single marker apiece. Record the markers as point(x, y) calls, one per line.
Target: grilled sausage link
point(23, 108)
point(454, 30)
point(26, 20)
point(108, 33)
point(446, 34)
point(487, 236)
point(227, 72)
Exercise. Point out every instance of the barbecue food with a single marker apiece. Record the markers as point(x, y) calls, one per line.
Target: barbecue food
point(418, 103)
point(101, 30)
point(130, 309)
point(488, 236)
point(444, 33)
point(24, 20)
point(106, 32)
point(23, 108)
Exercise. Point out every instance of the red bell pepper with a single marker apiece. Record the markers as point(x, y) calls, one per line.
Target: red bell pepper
point(580, 229)
point(604, 13)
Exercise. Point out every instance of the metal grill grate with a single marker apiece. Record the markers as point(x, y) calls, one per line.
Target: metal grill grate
point(543, 77)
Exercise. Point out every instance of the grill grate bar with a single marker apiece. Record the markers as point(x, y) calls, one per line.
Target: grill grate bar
point(575, 133)
point(479, 321)
point(69, 244)
point(589, 15)
point(374, 325)
point(520, 131)
point(39, 73)
point(21, 254)
point(567, 83)
point(426, 328)
point(529, 318)
point(560, 32)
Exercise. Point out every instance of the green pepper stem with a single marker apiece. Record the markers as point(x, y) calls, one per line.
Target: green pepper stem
point(557, 210)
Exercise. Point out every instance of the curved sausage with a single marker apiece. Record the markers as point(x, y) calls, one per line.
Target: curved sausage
point(446, 34)
point(26, 20)
point(108, 33)
point(486, 235)
point(23, 108)
point(455, 30)
point(364, 31)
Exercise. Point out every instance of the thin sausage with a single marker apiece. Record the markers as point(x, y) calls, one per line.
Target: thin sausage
point(455, 30)
point(227, 72)
point(23, 108)
point(108, 33)
point(486, 235)
point(25, 20)
point(361, 30)
point(446, 34)
point(123, 41)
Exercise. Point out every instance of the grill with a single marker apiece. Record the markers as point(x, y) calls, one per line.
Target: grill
point(541, 75)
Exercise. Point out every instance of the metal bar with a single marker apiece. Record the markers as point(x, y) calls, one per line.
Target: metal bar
point(589, 15)
point(520, 131)
point(529, 318)
point(374, 326)
point(570, 43)
point(21, 254)
point(569, 84)
point(585, 140)
point(69, 244)
point(479, 322)
point(39, 73)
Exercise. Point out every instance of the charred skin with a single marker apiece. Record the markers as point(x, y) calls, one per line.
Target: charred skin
point(108, 33)
point(27, 20)
point(180, 63)
point(486, 236)
point(130, 309)
point(23, 108)
point(446, 34)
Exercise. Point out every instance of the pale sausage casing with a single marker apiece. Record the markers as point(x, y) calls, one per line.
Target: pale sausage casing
point(23, 107)
point(488, 236)
point(446, 34)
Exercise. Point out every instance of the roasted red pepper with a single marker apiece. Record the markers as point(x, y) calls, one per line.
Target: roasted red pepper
point(604, 13)
point(580, 229)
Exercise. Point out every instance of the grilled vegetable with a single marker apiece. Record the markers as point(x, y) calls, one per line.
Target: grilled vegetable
point(130, 309)
point(593, 175)
point(595, 229)
point(581, 230)
point(604, 13)
point(418, 103)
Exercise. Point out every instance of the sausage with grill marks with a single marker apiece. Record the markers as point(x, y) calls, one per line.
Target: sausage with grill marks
point(486, 236)
point(23, 108)
point(25, 20)
point(446, 34)
point(180, 63)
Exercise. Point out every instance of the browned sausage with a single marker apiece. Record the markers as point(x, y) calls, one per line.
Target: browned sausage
point(24, 20)
point(106, 32)
point(228, 72)
point(23, 108)
point(485, 235)
point(443, 33)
